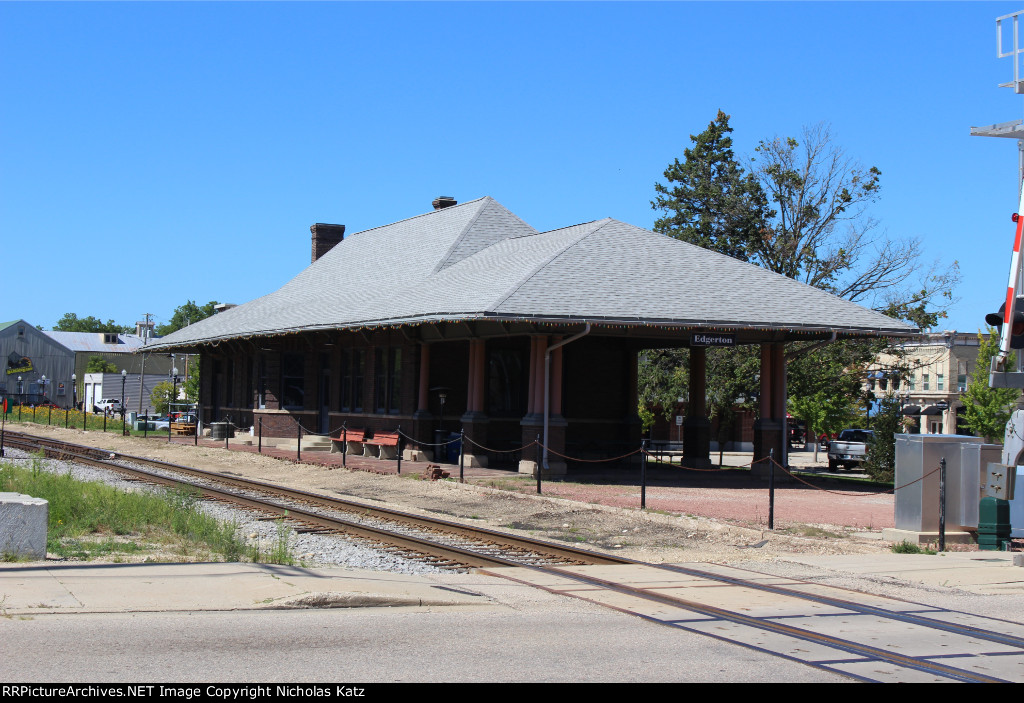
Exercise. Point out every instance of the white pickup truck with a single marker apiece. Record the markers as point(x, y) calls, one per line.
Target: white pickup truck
point(849, 449)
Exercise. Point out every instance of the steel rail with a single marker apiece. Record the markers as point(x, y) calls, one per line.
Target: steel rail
point(484, 561)
point(841, 644)
point(460, 555)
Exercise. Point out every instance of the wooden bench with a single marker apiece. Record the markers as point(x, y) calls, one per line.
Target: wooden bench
point(386, 444)
point(355, 438)
point(183, 428)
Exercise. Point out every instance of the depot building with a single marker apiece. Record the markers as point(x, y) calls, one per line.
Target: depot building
point(466, 317)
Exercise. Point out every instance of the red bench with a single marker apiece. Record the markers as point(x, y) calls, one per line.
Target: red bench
point(386, 444)
point(355, 438)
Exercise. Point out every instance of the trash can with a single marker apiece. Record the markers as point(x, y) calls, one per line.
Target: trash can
point(221, 430)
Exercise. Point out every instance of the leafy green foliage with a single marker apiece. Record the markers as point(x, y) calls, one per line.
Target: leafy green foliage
point(185, 315)
point(715, 204)
point(986, 410)
point(162, 396)
point(72, 323)
point(661, 381)
point(192, 383)
point(97, 364)
point(881, 460)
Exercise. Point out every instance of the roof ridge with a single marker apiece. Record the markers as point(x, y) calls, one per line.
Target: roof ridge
point(422, 214)
point(545, 262)
point(447, 258)
point(462, 235)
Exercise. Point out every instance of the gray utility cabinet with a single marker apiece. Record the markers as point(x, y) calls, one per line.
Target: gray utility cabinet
point(917, 501)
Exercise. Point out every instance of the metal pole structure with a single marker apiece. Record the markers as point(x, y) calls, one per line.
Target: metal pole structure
point(771, 489)
point(643, 473)
point(942, 504)
point(537, 442)
point(124, 427)
point(259, 445)
point(104, 420)
point(298, 444)
point(462, 454)
point(49, 413)
point(398, 452)
point(344, 443)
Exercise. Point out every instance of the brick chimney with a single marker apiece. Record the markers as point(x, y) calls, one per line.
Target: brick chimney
point(444, 201)
point(325, 237)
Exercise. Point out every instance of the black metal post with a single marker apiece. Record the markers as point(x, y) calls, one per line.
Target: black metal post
point(67, 414)
point(771, 489)
point(643, 473)
point(398, 447)
point(298, 444)
point(538, 463)
point(462, 455)
point(344, 443)
point(259, 445)
point(104, 420)
point(49, 412)
point(84, 428)
point(942, 504)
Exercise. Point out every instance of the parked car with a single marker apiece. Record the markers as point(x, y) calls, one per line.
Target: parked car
point(109, 405)
point(849, 449)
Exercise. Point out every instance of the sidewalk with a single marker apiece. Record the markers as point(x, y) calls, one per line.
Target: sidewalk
point(36, 588)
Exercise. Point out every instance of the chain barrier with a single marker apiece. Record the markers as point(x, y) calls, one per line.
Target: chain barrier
point(859, 493)
point(501, 451)
point(653, 460)
point(427, 444)
point(587, 461)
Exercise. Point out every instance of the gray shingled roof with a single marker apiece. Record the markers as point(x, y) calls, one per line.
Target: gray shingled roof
point(477, 261)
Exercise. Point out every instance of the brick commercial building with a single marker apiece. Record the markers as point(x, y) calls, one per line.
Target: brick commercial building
point(467, 317)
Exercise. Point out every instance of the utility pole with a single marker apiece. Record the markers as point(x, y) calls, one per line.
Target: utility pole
point(145, 338)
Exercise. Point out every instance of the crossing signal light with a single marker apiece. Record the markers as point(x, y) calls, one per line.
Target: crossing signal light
point(995, 319)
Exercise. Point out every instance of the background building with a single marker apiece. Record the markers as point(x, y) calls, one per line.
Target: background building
point(938, 368)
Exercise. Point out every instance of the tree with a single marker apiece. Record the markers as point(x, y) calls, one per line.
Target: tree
point(715, 204)
point(185, 315)
point(880, 463)
point(803, 212)
point(162, 395)
point(192, 384)
point(823, 411)
point(986, 410)
point(661, 381)
point(72, 323)
point(97, 364)
point(819, 231)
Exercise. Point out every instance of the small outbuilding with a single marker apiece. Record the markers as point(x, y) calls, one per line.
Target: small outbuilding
point(466, 317)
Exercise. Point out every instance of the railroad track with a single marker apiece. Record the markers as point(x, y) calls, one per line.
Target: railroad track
point(442, 542)
point(859, 635)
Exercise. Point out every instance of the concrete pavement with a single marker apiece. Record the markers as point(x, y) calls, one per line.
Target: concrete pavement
point(41, 587)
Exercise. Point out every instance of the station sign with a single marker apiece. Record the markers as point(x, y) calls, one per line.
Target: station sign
point(702, 339)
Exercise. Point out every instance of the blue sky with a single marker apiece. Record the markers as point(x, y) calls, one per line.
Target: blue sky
point(156, 152)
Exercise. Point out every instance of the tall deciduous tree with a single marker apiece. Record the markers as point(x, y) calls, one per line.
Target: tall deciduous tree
point(73, 323)
point(185, 315)
point(986, 410)
point(713, 203)
point(819, 231)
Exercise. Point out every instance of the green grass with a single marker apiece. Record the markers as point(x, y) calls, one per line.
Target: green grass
point(90, 520)
point(73, 419)
point(906, 547)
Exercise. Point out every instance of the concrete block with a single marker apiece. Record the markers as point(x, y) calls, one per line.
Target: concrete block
point(23, 521)
point(897, 535)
